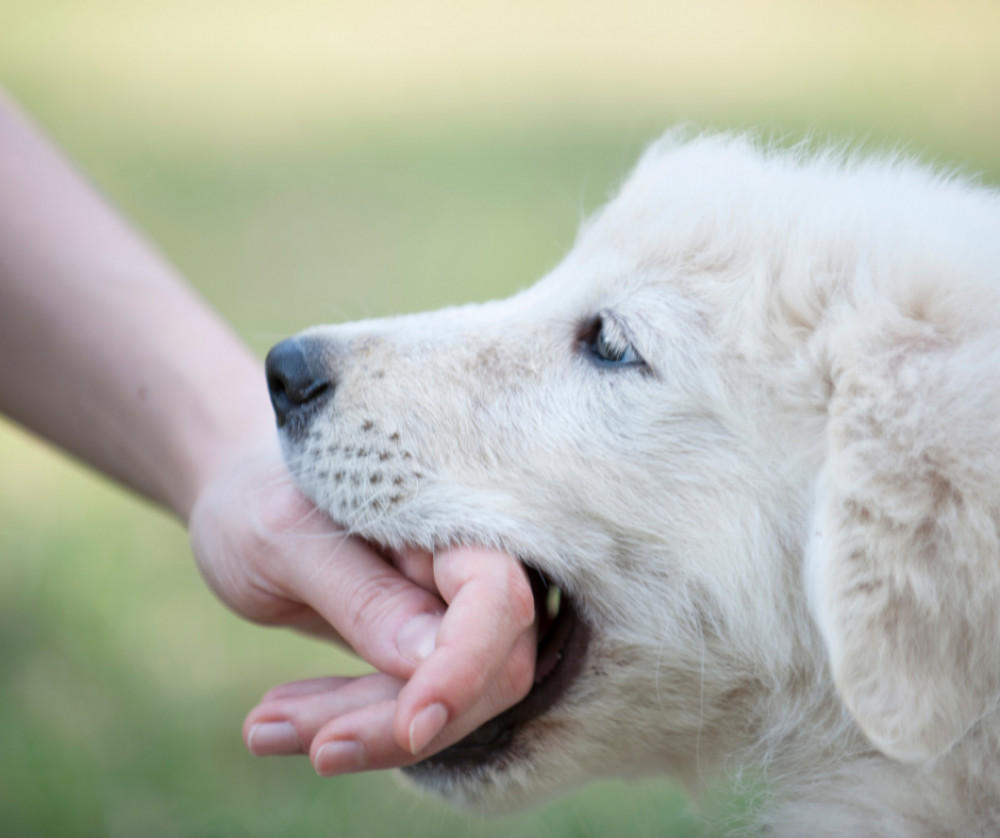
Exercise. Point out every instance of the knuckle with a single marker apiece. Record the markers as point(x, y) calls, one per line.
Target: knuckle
point(372, 599)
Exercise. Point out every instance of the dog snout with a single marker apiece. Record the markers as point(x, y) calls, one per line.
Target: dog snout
point(294, 380)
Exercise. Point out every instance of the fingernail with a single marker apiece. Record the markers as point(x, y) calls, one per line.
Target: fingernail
point(427, 724)
point(269, 739)
point(340, 757)
point(416, 638)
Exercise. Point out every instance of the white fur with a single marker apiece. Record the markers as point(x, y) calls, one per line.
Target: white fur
point(784, 533)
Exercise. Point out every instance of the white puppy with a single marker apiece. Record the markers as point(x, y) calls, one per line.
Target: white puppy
point(750, 427)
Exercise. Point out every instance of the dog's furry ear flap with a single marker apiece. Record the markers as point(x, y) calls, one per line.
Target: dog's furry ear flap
point(903, 564)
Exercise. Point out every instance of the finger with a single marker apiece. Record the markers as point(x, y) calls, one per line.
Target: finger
point(487, 637)
point(364, 738)
point(417, 566)
point(287, 720)
point(308, 686)
point(387, 619)
point(358, 741)
point(315, 626)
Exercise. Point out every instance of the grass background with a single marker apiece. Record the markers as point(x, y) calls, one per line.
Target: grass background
point(303, 161)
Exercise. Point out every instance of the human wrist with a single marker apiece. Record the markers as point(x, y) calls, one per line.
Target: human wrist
point(230, 425)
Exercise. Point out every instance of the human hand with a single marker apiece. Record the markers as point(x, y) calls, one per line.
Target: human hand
point(452, 635)
point(377, 721)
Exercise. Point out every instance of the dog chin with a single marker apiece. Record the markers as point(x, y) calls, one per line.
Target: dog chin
point(506, 786)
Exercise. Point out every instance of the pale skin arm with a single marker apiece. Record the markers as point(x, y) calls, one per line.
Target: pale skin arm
point(109, 355)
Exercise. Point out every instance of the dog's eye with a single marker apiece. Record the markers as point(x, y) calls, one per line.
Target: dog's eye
point(607, 342)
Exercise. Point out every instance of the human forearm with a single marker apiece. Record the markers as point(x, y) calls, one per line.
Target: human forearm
point(105, 351)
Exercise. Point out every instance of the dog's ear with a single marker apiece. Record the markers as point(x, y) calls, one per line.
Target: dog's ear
point(903, 563)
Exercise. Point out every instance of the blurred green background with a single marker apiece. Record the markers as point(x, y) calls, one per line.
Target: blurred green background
point(310, 160)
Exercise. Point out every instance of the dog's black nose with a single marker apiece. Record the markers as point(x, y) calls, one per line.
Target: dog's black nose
point(292, 379)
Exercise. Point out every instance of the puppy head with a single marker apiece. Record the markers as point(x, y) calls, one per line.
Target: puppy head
point(588, 426)
point(646, 427)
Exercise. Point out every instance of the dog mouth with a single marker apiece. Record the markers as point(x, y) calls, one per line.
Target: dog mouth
point(562, 644)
